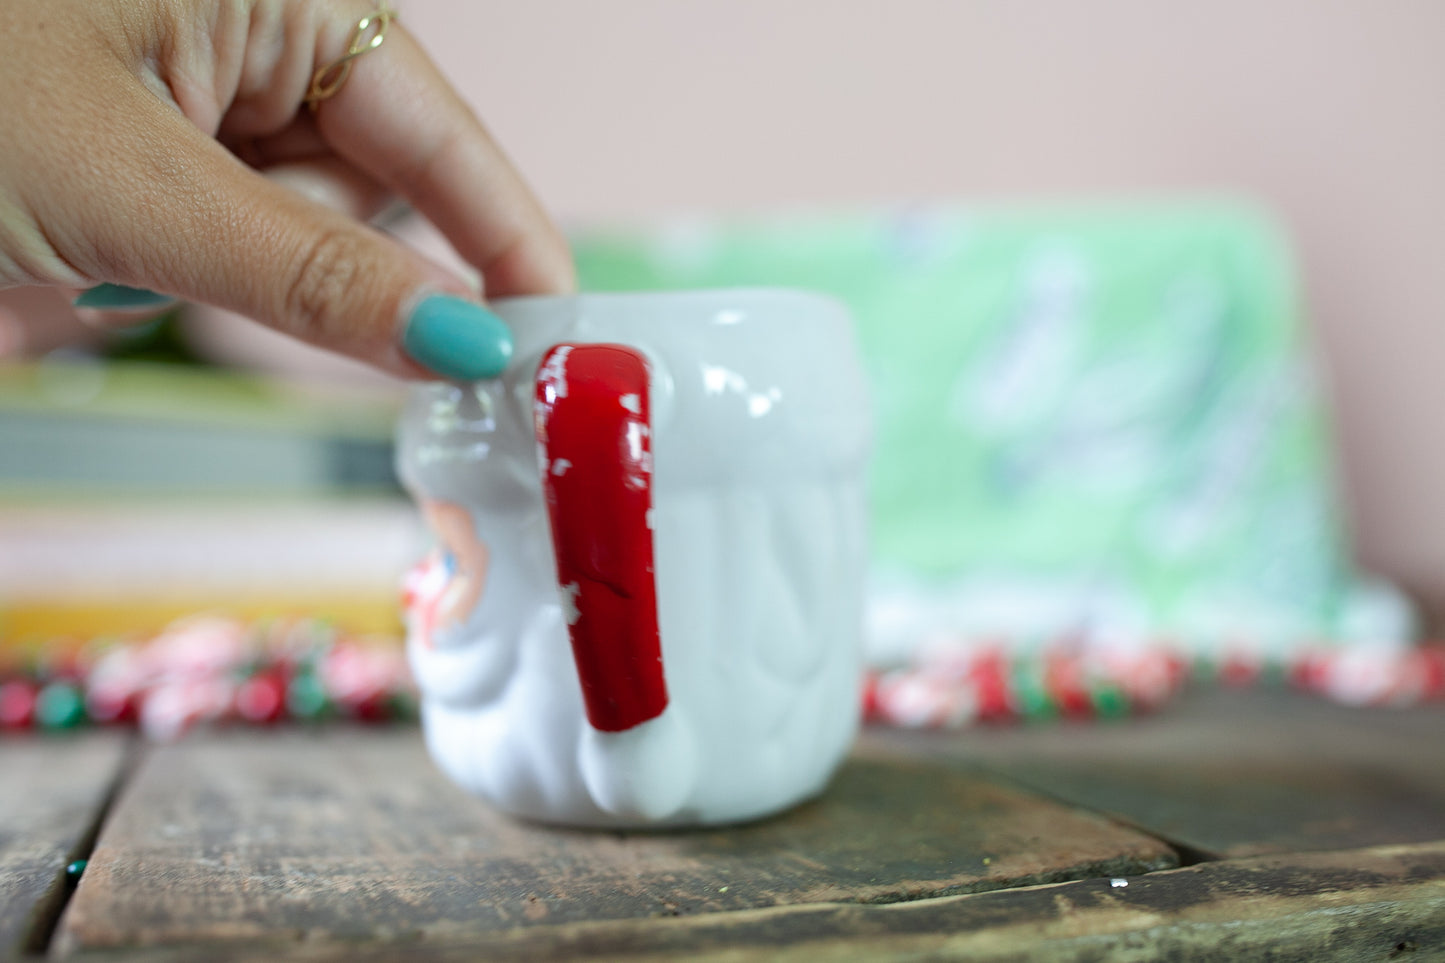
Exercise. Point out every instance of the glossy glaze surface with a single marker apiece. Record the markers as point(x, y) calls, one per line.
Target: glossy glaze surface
point(594, 450)
point(759, 431)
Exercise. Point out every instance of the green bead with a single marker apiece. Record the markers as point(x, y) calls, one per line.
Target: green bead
point(1034, 703)
point(1110, 702)
point(74, 871)
point(59, 706)
point(1030, 699)
point(1273, 673)
point(402, 706)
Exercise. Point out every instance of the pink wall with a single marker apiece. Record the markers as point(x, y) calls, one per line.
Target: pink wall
point(1330, 112)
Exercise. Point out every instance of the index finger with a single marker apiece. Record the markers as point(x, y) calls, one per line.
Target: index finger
point(397, 118)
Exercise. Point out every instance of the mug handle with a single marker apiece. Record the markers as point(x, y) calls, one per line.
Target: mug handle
point(594, 450)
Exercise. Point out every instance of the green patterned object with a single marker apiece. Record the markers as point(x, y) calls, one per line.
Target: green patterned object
point(1094, 420)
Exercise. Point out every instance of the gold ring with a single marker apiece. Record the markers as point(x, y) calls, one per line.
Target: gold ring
point(369, 34)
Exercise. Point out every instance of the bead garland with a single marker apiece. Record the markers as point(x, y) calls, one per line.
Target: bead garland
point(962, 683)
point(208, 669)
point(213, 670)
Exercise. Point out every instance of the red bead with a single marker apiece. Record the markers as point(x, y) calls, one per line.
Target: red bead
point(1431, 660)
point(1064, 681)
point(1239, 670)
point(990, 685)
point(374, 708)
point(112, 705)
point(871, 708)
point(261, 698)
point(17, 704)
point(1311, 669)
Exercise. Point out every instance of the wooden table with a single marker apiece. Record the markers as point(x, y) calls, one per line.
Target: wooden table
point(1234, 825)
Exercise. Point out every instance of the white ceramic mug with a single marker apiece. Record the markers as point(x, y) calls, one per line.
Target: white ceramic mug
point(673, 483)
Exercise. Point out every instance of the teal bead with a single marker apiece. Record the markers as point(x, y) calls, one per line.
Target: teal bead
point(59, 706)
point(306, 697)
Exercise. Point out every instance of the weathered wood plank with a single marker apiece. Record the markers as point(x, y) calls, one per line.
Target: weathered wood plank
point(1374, 904)
point(1231, 773)
point(355, 836)
point(52, 790)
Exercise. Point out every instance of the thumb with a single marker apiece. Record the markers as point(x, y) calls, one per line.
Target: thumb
point(187, 219)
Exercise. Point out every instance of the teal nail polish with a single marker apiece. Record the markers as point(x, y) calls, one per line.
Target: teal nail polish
point(116, 297)
point(457, 339)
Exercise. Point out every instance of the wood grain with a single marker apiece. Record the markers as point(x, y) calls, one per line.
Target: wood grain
point(52, 790)
point(1230, 773)
point(353, 836)
point(1374, 904)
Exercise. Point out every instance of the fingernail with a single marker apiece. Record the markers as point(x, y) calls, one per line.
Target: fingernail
point(457, 339)
point(117, 297)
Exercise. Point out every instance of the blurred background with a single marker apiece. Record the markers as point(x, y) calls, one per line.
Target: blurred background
point(1325, 112)
point(640, 122)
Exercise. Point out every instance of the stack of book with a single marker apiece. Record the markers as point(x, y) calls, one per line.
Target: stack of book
point(132, 493)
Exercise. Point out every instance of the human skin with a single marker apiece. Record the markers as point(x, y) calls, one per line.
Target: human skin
point(164, 145)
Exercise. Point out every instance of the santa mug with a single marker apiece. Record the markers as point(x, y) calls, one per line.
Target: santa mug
point(646, 605)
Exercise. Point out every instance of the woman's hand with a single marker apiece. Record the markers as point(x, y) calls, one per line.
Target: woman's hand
point(164, 145)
